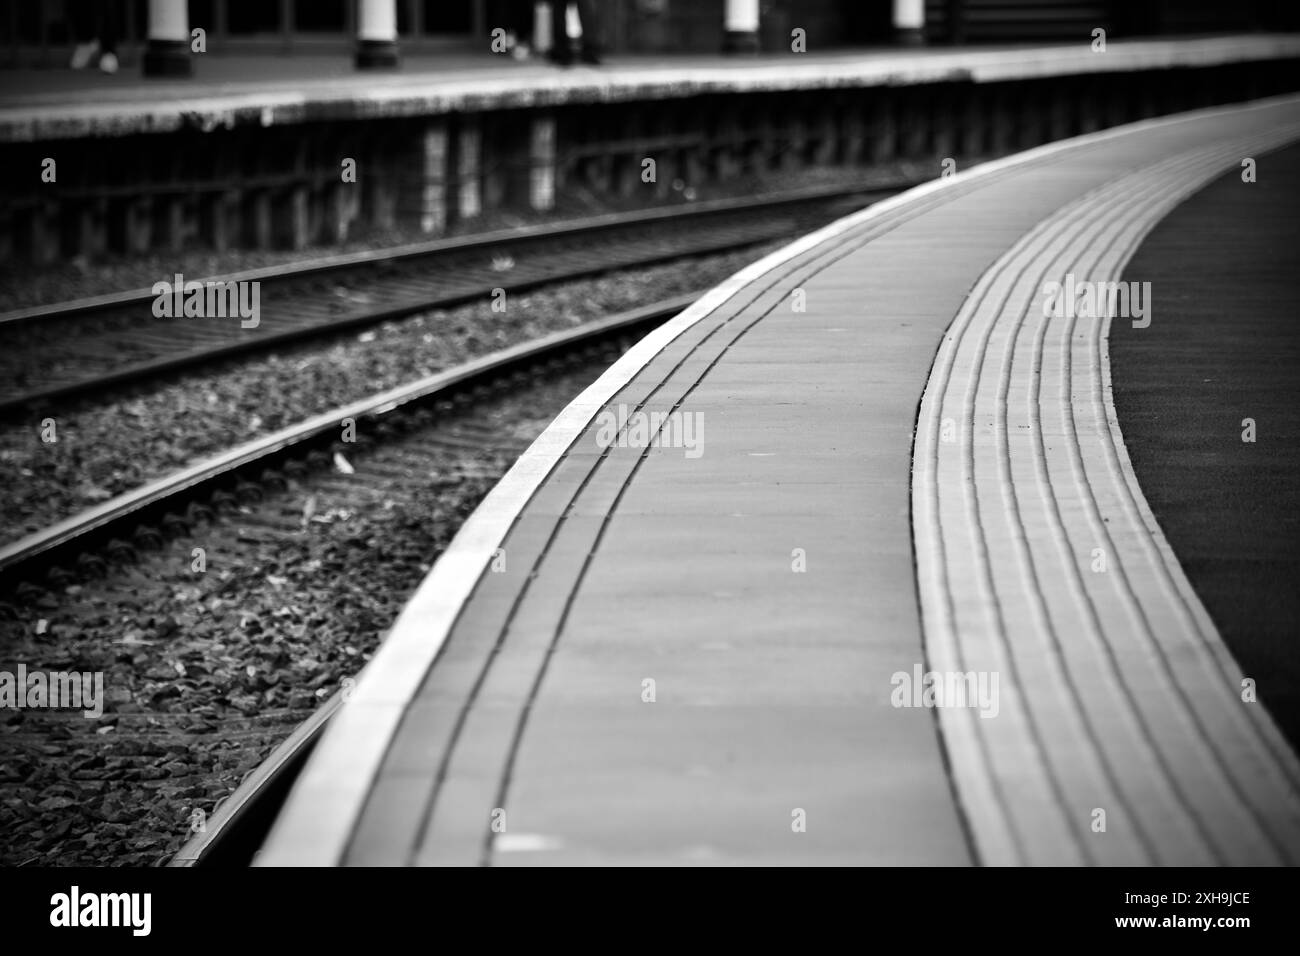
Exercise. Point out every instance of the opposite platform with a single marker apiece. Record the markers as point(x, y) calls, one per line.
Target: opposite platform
point(695, 653)
point(234, 91)
point(279, 157)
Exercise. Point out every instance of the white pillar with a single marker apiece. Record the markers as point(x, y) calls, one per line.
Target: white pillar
point(741, 26)
point(909, 21)
point(168, 50)
point(542, 39)
point(376, 34)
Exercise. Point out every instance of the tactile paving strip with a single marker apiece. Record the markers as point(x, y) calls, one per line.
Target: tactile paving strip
point(1039, 560)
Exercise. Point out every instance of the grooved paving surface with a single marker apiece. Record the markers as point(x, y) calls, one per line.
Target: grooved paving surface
point(773, 686)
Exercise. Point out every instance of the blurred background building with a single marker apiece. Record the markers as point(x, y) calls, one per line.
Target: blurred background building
point(33, 34)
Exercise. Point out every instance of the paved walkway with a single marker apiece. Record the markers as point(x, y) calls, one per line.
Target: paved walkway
point(707, 652)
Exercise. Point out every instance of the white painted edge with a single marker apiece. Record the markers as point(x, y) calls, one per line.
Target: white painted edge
point(317, 820)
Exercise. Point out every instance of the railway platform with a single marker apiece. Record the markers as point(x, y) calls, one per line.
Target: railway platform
point(849, 562)
point(263, 153)
point(238, 89)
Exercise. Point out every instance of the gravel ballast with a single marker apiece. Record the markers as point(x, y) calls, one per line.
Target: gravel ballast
point(106, 446)
point(206, 671)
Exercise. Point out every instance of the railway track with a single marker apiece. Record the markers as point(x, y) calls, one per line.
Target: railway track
point(433, 448)
point(52, 353)
point(84, 544)
point(231, 838)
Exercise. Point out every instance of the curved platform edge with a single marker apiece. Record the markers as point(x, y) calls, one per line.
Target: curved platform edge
point(325, 803)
